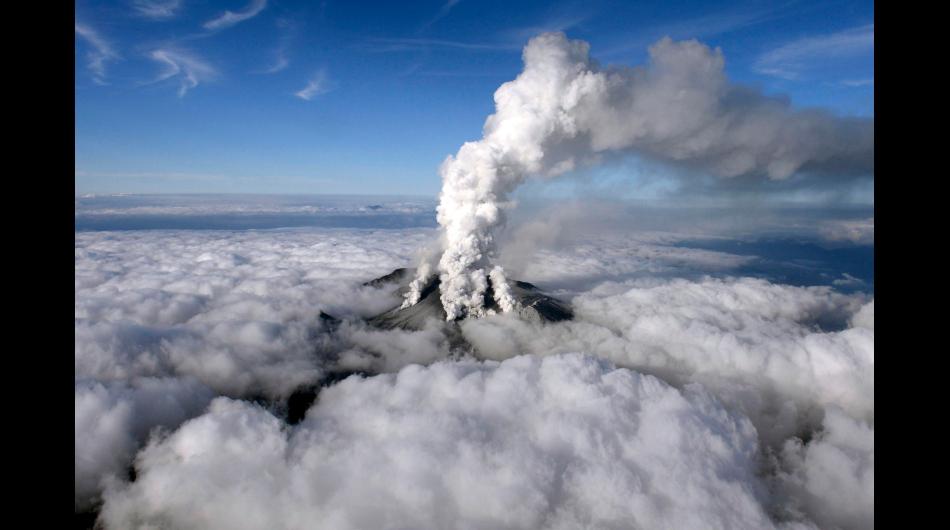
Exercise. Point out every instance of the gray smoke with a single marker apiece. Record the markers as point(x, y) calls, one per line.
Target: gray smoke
point(565, 111)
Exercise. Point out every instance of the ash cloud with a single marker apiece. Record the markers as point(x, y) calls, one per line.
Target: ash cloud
point(564, 111)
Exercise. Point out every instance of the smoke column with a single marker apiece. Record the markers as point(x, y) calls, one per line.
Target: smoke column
point(564, 111)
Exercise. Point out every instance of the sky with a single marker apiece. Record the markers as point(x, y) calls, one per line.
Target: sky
point(341, 97)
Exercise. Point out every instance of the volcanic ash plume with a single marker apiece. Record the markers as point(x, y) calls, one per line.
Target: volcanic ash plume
point(564, 110)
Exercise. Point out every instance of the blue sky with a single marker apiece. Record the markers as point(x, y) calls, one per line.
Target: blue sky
point(359, 97)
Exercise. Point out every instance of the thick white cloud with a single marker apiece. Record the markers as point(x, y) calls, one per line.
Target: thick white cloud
point(780, 353)
point(865, 317)
point(163, 313)
point(237, 310)
point(114, 418)
point(558, 442)
point(832, 477)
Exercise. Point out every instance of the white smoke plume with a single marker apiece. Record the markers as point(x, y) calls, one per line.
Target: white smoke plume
point(564, 110)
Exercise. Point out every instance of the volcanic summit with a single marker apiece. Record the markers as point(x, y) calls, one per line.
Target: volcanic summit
point(532, 304)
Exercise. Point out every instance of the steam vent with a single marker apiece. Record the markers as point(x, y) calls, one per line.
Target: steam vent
point(533, 304)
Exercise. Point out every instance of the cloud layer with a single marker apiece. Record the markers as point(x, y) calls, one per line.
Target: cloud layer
point(761, 393)
point(832, 478)
point(556, 442)
point(778, 353)
point(238, 311)
point(114, 418)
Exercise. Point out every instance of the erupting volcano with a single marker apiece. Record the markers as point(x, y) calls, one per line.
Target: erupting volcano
point(564, 111)
point(528, 302)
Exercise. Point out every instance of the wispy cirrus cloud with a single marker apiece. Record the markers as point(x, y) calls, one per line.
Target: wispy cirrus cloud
point(443, 11)
point(190, 69)
point(153, 175)
point(510, 40)
point(198, 177)
point(563, 21)
point(857, 82)
point(100, 52)
point(318, 84)
point(695, 27)
point(413, 44)
point(281, 61)
point(790, 60)
point(156, 9)
point(230, 18)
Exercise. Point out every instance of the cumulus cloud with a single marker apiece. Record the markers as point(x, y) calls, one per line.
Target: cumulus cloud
point(559, 442)
point(188, 68)
point(832, 476)
point(238, 311)
point(779, 353)
point(114, 418)
point(167, 320)
point(760, 394)
point(230, 18)
point(100, 52)
point(372, 350)
point(864, 318)
point(564, 110)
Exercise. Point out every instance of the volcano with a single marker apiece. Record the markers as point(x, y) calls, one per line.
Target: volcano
point(533, 305)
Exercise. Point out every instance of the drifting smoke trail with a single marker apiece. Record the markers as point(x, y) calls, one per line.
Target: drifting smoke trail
point(563, 110)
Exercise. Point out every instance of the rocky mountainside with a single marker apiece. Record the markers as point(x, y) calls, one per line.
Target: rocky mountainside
point(533, 304)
